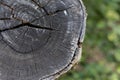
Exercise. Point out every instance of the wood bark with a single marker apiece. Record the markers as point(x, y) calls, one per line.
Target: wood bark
point(40, 39)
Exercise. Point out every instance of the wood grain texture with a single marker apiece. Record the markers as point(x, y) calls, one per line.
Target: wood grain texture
point(40, 39)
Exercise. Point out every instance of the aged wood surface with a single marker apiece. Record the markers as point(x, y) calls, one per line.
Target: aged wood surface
point(40, 39)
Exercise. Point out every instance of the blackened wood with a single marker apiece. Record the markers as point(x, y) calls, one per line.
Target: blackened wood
point(40, 39)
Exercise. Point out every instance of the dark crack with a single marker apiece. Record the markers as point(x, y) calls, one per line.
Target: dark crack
point(57, 11)
point(79, 44)
point(43, 7)
point(5, 18)
point(12, 13)
point(52, 13)
point(6, 5)
point(28, 25)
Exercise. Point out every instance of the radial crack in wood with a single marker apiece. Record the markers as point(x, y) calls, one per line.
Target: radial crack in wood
point(26, 24)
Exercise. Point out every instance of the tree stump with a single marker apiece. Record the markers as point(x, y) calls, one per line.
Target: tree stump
point(40, 39)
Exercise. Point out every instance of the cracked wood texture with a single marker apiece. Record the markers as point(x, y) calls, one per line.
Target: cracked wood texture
point(40, 39)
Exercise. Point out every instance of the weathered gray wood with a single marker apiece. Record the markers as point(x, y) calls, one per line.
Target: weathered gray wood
point(40, 39)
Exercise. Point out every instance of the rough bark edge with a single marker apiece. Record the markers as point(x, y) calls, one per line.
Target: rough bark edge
point(74, 61)
point(78, 51)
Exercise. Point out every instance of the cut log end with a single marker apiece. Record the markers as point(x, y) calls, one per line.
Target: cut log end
point(40, 39)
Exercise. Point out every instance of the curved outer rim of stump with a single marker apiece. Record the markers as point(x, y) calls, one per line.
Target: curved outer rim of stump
point(78, 51)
